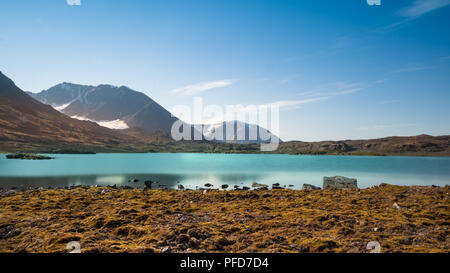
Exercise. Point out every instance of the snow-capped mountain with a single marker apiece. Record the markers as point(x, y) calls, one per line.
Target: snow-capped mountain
point(109, 106)
point(26, 120)
point(238, 132)
point(122, 108)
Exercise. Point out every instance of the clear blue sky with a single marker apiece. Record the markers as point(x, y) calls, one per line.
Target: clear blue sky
point(341, 69)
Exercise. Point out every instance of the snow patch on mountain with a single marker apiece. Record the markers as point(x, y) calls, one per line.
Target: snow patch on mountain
point(114, 124)
point(61, 107)
point(111, 124)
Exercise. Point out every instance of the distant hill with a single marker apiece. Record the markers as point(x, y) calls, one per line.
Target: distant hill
point(409, 145)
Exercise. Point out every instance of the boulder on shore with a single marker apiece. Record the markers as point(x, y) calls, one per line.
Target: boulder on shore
point(339, 182)
point(310, 187)
point(148, 184)
point(257, 185)
point(276, 186)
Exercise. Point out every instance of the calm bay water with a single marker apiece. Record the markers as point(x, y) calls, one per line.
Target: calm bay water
point(193, 170)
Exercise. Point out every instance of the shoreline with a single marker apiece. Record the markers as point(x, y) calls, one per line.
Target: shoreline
point(440, 155)
point(106, 219)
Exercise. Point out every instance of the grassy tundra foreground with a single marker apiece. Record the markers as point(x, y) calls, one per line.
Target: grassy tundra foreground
point(401, 219)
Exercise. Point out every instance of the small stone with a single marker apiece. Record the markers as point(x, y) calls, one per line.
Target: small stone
point(257, 185)
point(165, 249)
point(310, 187)
point(276, 186)
point(396, 206)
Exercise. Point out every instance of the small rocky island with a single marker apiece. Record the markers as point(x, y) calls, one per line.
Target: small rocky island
point(28, 156)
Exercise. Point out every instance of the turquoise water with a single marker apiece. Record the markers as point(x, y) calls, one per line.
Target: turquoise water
point(193, 170)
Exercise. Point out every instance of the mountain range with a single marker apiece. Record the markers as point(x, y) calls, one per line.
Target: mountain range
point(43, 122)
point(121, 108)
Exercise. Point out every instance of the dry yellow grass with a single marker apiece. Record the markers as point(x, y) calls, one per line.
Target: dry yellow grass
point(119, 220)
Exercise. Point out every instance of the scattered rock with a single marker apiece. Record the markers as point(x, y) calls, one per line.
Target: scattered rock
point(166, 249)
point(194, 243)
point(245, 188)
point(257, 185)
point(310, 187)
point(276, 186)
point(208, 185)
point(8, 231)
point(222, 241)
point(180, 187)
point(339, 182)
point(148, 184)
point(134, 180)
point(225, 186)
point(396, 206)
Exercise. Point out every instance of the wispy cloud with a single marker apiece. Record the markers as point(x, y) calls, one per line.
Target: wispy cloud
point(421, 7)
point(291, 103)
point(281, 105)
point(73, 2)
point(333, 89)
point(335, 46)
point(413, 68)
point(413, 11)
point(201, 87)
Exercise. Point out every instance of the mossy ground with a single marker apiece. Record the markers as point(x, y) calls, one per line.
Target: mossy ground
point(118, 220)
